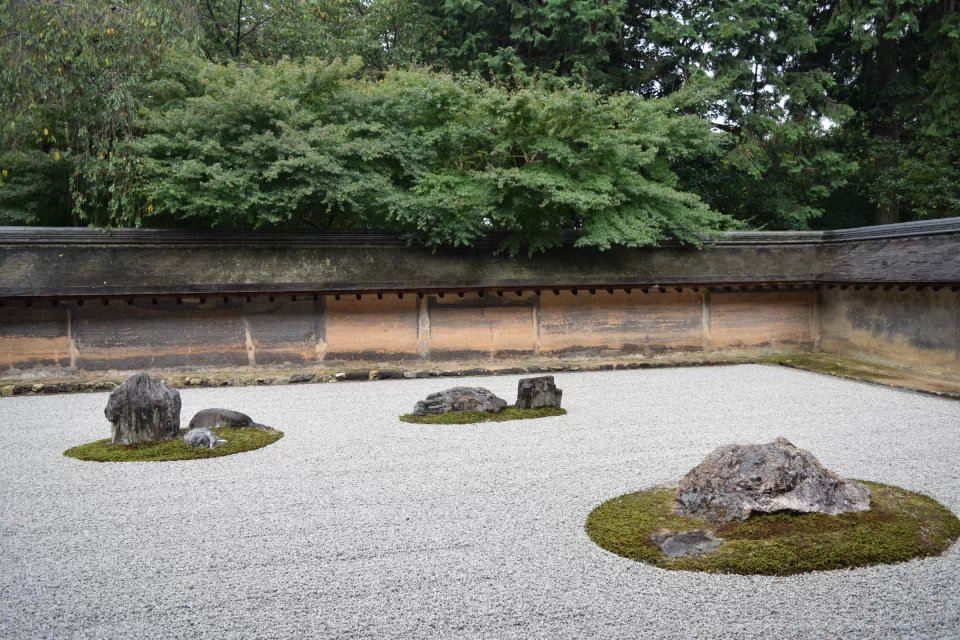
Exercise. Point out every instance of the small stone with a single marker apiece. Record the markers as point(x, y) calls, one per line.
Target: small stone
point(736, 480)
point(460, 399)
point(6, 390)
point(143, 410)
point(196, 382)
point(533, 393)
point(36, 388)
point(340, 376)
point(302, 377)
point(211, 418)
point(416, 374)
point(203, 437)
point(377, 374)
point(680, 544)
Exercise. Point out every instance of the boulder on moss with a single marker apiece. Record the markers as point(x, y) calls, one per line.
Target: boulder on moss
point(736, 480)
point(211, 418)
point(460, 399)
point(143, 410)
point(533, 393)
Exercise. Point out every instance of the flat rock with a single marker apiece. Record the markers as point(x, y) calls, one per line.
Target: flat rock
point(736, 480)
point(679, 544)
point(210, 418)
point(203, 437)
point(143, 410)
point(460, 399)
point(533, 393)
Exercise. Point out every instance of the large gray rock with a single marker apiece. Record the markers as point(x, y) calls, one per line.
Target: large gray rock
point(143, 410)
point(203, 437)
point(736, 480)
point(460, 399)
point(211, 418)
point(533, 393)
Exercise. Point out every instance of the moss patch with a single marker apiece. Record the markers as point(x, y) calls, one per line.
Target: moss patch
point(469, 417)
point(900, 525)
point(238, 441)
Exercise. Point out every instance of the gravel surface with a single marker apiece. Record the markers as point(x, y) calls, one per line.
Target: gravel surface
point(356, 525)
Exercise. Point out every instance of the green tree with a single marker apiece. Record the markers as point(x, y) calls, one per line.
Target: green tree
point(383, 33)
point(448, 160)
point(897, 65)
point(70, 91)
point(502, 38)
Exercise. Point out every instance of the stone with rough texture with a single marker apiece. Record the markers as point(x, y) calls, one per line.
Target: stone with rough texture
point(679, 544)
point(736, 480)
point(143, 410)
point(533, 393)
point(203, 437)
point(210, 418)
point(460, 399)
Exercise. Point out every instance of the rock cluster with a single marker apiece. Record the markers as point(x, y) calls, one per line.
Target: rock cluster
point(143, 410)
point(736, 480)
point(460, 399)
point(533, 393)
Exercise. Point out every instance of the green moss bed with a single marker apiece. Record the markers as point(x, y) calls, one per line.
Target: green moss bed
point(470, 417)
point(899, 526)
point(238, 441)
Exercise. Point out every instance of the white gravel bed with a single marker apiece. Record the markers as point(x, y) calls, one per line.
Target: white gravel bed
point(355, 525)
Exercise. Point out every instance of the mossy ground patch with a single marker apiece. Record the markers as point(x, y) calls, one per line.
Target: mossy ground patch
point(238, 441)
point(469, 417)
point(899, 526)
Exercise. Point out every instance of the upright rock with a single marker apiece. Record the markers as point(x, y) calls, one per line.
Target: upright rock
point(736, 480)
point(533, 393)
point(143, 410)
point(211, 418)
point(460, 399)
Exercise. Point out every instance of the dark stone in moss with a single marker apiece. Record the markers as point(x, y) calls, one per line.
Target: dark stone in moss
point(533, 393)
point(460, 399)
point(679, 544)
point(143, 410)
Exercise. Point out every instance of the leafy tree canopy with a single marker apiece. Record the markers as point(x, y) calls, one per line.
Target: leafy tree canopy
point(449, 160)
point(781, 114)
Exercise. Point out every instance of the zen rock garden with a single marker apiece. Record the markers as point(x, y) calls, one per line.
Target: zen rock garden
point(145, 422)
point(622, 482)
point(769, 508)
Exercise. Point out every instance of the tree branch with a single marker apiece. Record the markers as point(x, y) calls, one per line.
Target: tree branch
point(260, 24)
point(216, 24)
point(236, 50)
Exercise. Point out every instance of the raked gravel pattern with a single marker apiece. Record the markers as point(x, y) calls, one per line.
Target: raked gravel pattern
point(356, 525)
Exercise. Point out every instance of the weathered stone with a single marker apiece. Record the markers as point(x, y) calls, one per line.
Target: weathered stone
point(6, 390)
point(302, 377)
point(210, 418)
point(736, 480)
point(203, 437)
point(679, 544)
point(143, 410)
point(533, 393)
point(460, 399)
